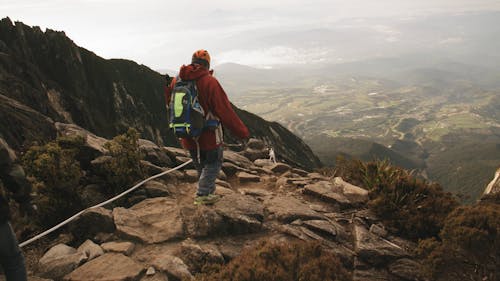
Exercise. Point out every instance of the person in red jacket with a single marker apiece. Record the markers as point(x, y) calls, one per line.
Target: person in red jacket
point(214, 101)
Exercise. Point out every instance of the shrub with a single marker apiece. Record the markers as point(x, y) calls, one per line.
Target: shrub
point(124, 167)
point(410, 207)
point(55, 175)
point(470, 245)
point(288, 262)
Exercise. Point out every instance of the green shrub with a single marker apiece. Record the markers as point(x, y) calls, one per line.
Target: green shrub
point(410, 207)
point(55, 175)
point(470, 245)
point(124, 168)
point(286, 261)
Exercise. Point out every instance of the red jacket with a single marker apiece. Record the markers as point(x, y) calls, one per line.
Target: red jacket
point(212, 98)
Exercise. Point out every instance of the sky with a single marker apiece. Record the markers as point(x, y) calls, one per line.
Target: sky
point(163, 34)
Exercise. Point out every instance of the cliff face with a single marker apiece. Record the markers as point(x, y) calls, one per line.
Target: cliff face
point(47, 74)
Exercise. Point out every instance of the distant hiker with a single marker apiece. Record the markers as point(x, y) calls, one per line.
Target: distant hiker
point(13, 179)
point(199, 108)
point(272, 156)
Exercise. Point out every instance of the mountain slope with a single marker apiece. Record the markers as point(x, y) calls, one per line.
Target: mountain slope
point(48, 73)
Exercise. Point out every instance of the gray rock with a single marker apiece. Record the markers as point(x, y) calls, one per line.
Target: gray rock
point(263, 162)
point(125, 248)
point(173, 266)
point(407, 269)
point(288, 209)
point(92, 194)
point(222, 175)
point(378, 229)
point(91, 249)
point(254, 154)
point(191, 175)
point(244, 177)
point(237, 159)
point(326, 228)
point(111, 266)
point(371, 275)
point(220, 190)
point(317, 176)
point(173, 152)
point(374, 249)
point(299, 172)
point(242, 214)
point(59, 261)
point(230, 169)
point(181, 160)
point(153, 220)
point(97, 165)
point(256, 192)
point(355, 194)
point(223, 183)
point(330, 192)
point(7, 154)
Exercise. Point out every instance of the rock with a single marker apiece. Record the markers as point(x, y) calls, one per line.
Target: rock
point(299, 172)
point(317, 176)
point(254, 154)
point(92, 195)
point(196, 256)
point(371, 275)
point(91, 250)
point(379, 230)
point(263, 162)
point(256, 144)
point(111, 266)
point(325, 228)
point(230, 169)
point(242, 214)
point(246, 177)
point(151, 271)
point(374, 249)
point(93, 145)
point(156, 277)
point(288, 209)
point(256, 192)
point(280, 168)
point(157, 189)
point(151, 169)
point(7, 154)
point(97, 165)
point(220, 190)
point(223, 183)
point(191, 175)
point(173, 266)
point(407, 269)
point(93, 221)
point(125, 248)
point(201, 221)
point(154, 154)
point(153, 220)
point(173, 152)
point(181, 160)
point(222, 175)
point(355, 194)
point(59, 261)
point(237, 159)
point(331, 193)
point(282, 182)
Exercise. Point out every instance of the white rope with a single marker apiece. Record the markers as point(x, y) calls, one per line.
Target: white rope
point(102, 204)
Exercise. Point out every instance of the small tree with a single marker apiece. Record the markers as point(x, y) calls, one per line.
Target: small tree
point(55, 175)
point(124, 167)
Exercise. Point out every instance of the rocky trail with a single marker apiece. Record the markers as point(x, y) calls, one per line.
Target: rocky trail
point(164, 236)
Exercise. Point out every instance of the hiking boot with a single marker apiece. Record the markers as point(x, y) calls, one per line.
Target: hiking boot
point(206, 200)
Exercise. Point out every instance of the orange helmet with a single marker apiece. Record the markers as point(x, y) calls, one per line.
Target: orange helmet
point(201, 57)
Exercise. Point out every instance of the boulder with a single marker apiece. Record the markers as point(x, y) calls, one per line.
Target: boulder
point(325, 228)
point(241, 214)
point(153, 220)
point(355, 194)
point(374, 249)
point(288, 209)
point(191, 175)
point(230, 169)
point(371, 275)
point(256, 144)
point(244, 177)
point(201, 221)
point(182, 159)
point(7, 154)
point(334, 193)
point(154, 154)
point(223, 183)
point(91, 250)
point(173, 266)
point(299, 172)
point(254, 154)
point(317, 177)
point(125, 248)
point(255, 192)
point(263, 162)
point(111, 266)
point(407, 269)
point(93, 221)
point(173, 152)
point(158, 189)
point(59, 261)
point(220, 190)
point(280, 168)
point(196, 256)
point(237, 159)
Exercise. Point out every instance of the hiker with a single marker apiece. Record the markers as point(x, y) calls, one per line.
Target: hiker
point(13, 179)
point(206, 150)
point(272, 156)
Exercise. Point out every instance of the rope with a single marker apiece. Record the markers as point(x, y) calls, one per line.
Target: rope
point(102, 204)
